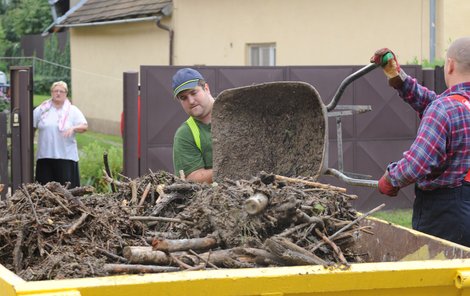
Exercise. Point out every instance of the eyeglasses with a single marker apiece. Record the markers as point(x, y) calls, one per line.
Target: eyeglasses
point(58, 91)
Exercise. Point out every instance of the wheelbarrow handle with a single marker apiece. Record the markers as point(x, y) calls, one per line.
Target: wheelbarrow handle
point(352, 181)
point(339, 92)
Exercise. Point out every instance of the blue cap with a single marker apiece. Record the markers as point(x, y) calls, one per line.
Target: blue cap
point(184, 79)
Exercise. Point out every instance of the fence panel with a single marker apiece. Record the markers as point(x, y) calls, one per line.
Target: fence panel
point(370, 140)
point(3, 155)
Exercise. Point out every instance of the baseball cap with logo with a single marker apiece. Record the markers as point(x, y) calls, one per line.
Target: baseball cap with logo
point(184, 79)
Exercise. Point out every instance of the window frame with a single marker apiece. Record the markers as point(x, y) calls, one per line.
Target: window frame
point(262, 50)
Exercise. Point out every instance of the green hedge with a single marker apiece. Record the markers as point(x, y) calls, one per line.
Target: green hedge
point(42, 84)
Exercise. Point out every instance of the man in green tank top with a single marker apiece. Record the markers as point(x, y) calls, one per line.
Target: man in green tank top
point(192, 144)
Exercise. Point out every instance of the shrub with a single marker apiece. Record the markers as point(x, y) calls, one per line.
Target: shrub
point(92, 165)
point(4, 104)
point(427, 64)
point(42, 84)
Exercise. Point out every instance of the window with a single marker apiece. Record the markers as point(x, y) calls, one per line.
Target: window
point(263, 54)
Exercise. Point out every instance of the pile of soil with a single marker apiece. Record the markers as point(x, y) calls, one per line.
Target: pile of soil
point(50, 232)
point(277, 127)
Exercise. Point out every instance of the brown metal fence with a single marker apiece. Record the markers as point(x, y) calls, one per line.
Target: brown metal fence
point(370, 140)
point(3, 154)
point(16, 162)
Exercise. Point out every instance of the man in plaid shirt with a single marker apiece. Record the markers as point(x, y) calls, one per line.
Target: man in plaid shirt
point(439, 158)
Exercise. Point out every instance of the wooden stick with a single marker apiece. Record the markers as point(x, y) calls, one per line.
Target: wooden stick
point(206, 260)
point(25, 190)
point(310, 183)
point(333, 246)
point(79, 191)
point(133, 186)
point(133, 268)
point(40, 244)
point(262, 256)
point(57, 200)
point(225, 258)
point(160, 191)
point(108, 171)
point(164, 219)
point(111, 255)
point(111, 180)
point(180, 263)
point(163, 199)
point(17, 253)
point(331, 237)
point(145, 255)
point(308, 219)
point(56, 187)
point(291, 230)
point(290, 252)
point(174, 245)
point(77, 223)
point(144, 195)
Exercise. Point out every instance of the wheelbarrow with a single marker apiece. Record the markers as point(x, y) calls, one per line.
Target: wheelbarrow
point(279, 128)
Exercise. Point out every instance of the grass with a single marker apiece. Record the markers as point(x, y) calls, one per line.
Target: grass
point(38, 99)
point(399, 217)
point(104, 140)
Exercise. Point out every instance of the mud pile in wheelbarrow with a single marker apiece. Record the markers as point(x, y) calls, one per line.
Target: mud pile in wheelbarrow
point(277, 127)
point(161, 223)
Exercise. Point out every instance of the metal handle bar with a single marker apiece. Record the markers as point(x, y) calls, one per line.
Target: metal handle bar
point(352, 181)
point(339, 92)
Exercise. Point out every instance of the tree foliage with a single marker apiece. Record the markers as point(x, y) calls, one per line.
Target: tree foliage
point(19, 18)
point(25, 17)
point(57, 65)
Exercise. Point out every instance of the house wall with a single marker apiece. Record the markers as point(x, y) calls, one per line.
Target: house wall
point(214, 32)
point(100, 55)
point(306, 32)
point(453, 22)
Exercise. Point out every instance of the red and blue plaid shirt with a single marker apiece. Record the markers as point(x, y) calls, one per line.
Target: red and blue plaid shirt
point(440, 155)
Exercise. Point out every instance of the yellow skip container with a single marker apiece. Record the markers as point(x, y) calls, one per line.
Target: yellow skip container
point(401, 262)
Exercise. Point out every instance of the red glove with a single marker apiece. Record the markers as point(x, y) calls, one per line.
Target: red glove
point(385, 186)
point(390, 66)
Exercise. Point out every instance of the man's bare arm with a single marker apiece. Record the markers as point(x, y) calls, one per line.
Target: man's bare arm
point(201, 176)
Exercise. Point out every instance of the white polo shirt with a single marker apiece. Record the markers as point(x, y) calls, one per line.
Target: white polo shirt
point(51, 142)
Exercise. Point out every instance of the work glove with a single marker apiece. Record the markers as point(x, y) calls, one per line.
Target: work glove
point(386, 187)
point(387, 59)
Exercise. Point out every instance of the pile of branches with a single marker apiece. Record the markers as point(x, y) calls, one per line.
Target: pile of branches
point(269, 220)
point(160, 222)
point(49, 232)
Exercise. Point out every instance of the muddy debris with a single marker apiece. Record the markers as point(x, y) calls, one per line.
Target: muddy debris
point(161, 223)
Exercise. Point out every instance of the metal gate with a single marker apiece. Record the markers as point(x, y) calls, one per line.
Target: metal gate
point(370, 140)
point(16, 163)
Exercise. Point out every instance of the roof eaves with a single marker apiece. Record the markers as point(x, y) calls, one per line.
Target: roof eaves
point(118, 21)
point(62, 18)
